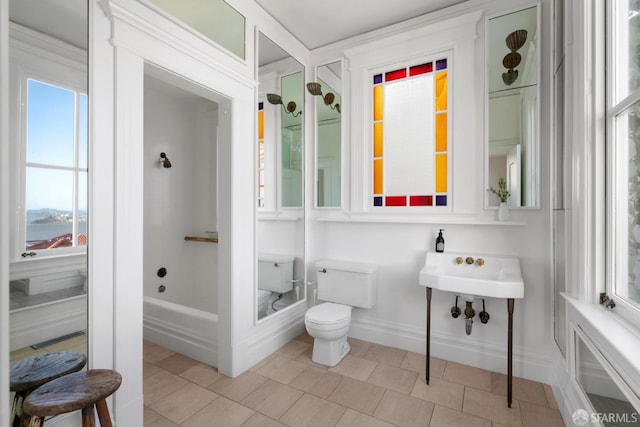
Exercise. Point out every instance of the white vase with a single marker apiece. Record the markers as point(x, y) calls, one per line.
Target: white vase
point(503, 212)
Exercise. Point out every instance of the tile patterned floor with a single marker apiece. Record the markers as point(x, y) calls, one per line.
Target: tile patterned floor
point(373, 386)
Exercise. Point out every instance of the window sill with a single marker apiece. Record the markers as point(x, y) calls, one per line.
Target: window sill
point(22, 269)
point(460, 219)
point(614, 336)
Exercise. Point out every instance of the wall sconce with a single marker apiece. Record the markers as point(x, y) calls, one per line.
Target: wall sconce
point(315, 89)
point(277, 100)
point(511, 60)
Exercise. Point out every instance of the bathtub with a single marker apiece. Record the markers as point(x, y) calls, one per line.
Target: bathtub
point(186, 330)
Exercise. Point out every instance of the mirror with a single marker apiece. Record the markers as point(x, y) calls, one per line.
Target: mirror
point(280, 183)
point(328, 95)
point(513, 60)
point(49, 166)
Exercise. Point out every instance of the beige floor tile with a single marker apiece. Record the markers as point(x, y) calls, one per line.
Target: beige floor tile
point(358, 395)
point(358, 347)
point(313, 412)
point(305, 337)
point(384, 354)
point(355, 419)
point(203, 375)
point(416, 362)
point(263, 362)
point(439, 391)
point(445, 417)
point(149, 369)
point(259, 420)
point(160, 385)
point(78, 344)
point(162, 422)
point(400, 380)
point(540, 416)
point(293, 349)
point(491, 406)
point(523, 390)
point(551, 399)
point(468, 375)
point(354, 367)
point(150, 416)
point(494, 424)
point(404, 411)
point(176, 363)
point(282, 369)
point(184, 402)
point(225, 412)
point(153, 353)
point(238, 388)
point(316, 381)
point(24, 353)
point(305, 357)
point(272, 399)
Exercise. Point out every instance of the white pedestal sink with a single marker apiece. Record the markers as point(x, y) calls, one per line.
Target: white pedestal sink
point(474, 275)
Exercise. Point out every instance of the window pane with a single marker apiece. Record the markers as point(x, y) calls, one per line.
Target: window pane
point(50, 124)
point(628, 63)
point(49, 205)
point(628, 125)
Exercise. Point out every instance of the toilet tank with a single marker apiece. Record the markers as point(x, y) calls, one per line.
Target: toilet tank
point(275, 272)
point(349, 283)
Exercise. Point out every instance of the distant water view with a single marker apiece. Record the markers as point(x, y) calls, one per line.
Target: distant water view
point(45, 224)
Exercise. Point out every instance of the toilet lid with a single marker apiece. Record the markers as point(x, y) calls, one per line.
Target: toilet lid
point(328, 313)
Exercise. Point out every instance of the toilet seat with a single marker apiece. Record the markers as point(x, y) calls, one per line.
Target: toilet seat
point(328, 314)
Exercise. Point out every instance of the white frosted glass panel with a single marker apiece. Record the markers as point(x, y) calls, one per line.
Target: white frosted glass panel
point(408, 137)
point(214, 19)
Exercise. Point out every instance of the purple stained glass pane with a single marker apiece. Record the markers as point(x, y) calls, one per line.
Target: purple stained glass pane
point(441, 200)
point(441, 64)
point(377, 79)
point(377, 201)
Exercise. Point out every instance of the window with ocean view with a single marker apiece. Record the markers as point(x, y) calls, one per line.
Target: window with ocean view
point(55, 174)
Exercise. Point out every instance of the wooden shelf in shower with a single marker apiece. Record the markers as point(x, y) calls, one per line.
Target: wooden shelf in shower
point(201, 239)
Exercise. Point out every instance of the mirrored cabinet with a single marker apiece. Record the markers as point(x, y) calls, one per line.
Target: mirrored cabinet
point(280, 180)
point(512, 114)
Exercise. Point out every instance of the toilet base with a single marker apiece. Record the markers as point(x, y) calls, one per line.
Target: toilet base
point(329, 353)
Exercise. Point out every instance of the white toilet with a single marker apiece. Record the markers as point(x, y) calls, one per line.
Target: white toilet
point(275, 272)
point(263, 302)
point(343, 285)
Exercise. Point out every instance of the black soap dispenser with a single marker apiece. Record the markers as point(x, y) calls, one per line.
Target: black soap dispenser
point(440, 242)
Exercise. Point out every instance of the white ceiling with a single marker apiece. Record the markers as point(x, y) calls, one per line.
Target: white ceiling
point(318, 23)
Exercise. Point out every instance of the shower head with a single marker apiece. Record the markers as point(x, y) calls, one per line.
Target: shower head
point(164, 160)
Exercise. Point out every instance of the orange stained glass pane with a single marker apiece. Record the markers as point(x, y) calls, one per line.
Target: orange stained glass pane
point(377, 140)
point(441, 173)
point(260, 124)
point(441, 91)
point(377, 103)
point(441, 132)
point(377, 176)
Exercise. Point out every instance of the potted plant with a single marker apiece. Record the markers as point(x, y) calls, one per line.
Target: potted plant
point(503, 194)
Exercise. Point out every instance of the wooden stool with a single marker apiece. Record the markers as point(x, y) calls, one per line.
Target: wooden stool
point(28, 374)
point(80, 390)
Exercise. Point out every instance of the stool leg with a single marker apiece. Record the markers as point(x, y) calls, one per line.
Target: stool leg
point(103, 413)
point(88, 420)
point(16, 409)
point(34, 421)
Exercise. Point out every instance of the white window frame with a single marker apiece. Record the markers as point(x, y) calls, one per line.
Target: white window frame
point(38, 57)
point(616, 170)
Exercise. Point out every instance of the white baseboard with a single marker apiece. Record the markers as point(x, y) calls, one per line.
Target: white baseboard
point(461, 350)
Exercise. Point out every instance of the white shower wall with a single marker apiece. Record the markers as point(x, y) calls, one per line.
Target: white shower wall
point(180, 201)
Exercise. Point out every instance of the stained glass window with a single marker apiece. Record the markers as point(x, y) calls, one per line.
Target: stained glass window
point(410, 137)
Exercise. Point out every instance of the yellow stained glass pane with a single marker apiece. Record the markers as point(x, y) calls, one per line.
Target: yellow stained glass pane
point(377, 103)
point(441, 91)
point(441, 132)
point(377, 140)
point(377, 176)
point(441, 173)
point(260, 124)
